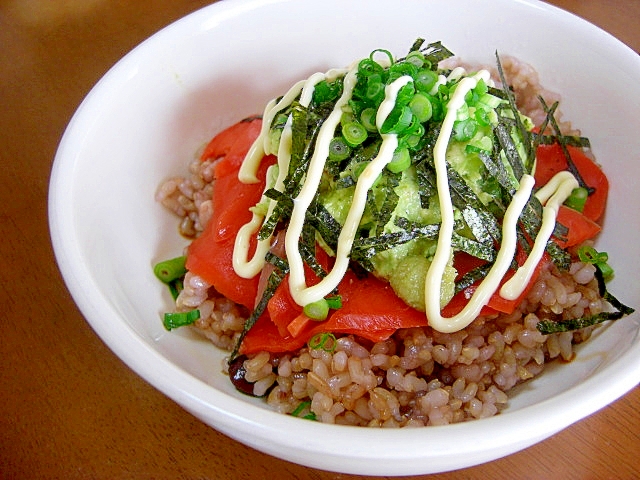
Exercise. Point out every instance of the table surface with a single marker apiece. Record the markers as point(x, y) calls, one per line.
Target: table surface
point(71, 408)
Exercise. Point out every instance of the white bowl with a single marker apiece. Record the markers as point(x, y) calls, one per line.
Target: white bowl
point(149, 114)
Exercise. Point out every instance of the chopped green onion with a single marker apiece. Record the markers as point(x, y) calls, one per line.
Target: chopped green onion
point(368, 119)
point(405, 94)
point(318, 310)
point(325, 341)
point(415, 58)
point(175, 287)
point(354, 133)
point(334, 302)
point(170, 270)
point(398, 120)
point(375, 88)
point(425, 79)
point(327, 92)
point(180, 319)
point(338, 149)
point(482, 117)
point(421, 107)
point(384, 52)
point(400, 161)
point(465, 129)
point(481, 87)
point(577, 199)
point(400, 69)
point(302, 407)
point(368, 66)
point(588, 254)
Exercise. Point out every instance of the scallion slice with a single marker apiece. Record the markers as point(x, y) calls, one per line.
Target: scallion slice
point(325, 341)
point(338, 149)
point(318, 310)
point(173, 320)
point(354, 133)
point(170, 270)
point(400, 161)
point(577, 199)
point(421, 107)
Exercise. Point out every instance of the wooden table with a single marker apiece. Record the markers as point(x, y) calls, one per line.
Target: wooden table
point(70, 408)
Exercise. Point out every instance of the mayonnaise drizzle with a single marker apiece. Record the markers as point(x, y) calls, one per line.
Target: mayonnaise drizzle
point(551, 196)
point(250, 268)
point(300, 292)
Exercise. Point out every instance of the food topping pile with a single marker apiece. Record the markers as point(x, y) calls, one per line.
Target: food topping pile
point(395, 243)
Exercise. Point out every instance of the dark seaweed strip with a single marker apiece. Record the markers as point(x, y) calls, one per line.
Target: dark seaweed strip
point(560, 257)
point(417, 45)
point(498, 92)
point(475, 222)
point(524, 133)
point(280, 263)
point(491, 224)
point(570, 165)
point(462, 197)
point(298, 135)
point(345, 182)
point(497, 170)
point(531, 216)
point(281, 211)
point(572, 140)
point(435, 53)
point(307, 125)
point(274, 280)
point(373, 206)
point(366, 248)
point(426, 231)
point(479, 250)
point(461, 193)
point(390, 201)
point(503, 134)
point(307, 249)
point(426, 184)
point(472, 276)
point(323, 222)
point(423, 161)
point(549, 326)
point(543, 127)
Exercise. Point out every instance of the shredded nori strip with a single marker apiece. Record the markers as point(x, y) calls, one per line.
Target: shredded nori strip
point(483, 251)
point(325, 225)
point(561, 141)
point(472, 276)
point(549, 326)
point(365, 248)
point(273, 282)
point(434, 52)
point(524, 133)
point(572, 140)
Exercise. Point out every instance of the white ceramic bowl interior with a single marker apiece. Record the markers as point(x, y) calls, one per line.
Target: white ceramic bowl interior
point(147, 117)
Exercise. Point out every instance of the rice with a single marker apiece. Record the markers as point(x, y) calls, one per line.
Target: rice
point(419, 376)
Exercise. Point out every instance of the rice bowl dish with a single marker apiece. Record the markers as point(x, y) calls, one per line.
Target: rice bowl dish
point(195, 107)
